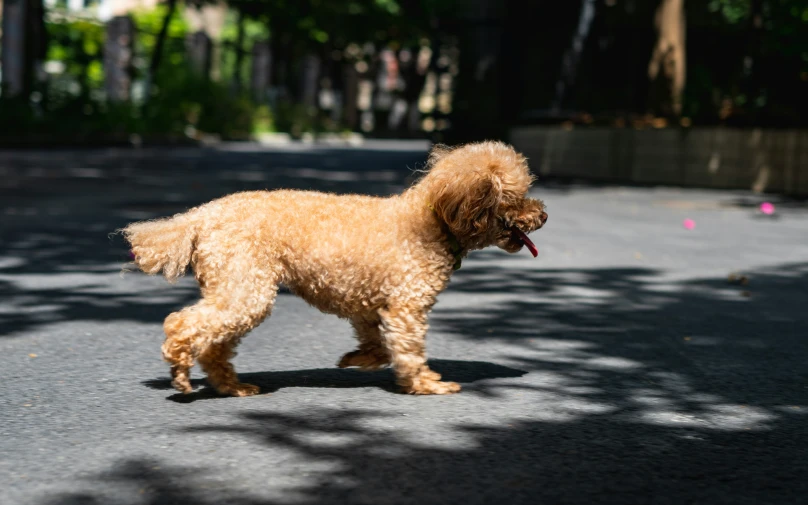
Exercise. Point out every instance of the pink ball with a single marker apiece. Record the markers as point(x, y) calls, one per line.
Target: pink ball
point(689, 224)
point(767, 208)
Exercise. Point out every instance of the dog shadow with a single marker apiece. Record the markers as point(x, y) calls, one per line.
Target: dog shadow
point(464, 372)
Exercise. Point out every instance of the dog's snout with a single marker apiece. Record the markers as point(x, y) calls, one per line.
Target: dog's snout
point(542, 219)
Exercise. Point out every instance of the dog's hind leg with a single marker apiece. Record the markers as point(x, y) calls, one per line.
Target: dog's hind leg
point(180, 329)
point(234, 302)
point(371, 354)
point(215, 361)
point(404, 336)
point(237, 312)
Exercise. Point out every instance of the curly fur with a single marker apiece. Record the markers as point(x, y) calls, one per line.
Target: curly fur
point(379, 262)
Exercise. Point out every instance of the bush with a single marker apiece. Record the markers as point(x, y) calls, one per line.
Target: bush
point(183, 101)
point(72, 104)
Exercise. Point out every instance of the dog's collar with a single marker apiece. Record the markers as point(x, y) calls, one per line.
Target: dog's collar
point(454, 244)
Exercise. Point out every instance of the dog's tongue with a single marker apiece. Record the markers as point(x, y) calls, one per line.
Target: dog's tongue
point(530, 245)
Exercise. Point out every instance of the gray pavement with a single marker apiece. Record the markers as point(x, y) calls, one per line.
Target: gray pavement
point(621, 366)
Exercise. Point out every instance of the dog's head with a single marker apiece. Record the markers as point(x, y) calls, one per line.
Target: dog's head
point(480, 192)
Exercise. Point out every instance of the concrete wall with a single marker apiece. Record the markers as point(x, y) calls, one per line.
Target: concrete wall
point(762, 160)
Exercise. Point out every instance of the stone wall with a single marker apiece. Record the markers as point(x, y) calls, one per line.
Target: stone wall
point(761, 160)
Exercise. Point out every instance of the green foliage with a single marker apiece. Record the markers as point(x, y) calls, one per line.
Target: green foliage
point(253, 31)
point(180, 102)
point(742, 72)
point(148, 24)
point(263, 120)
point(721, 41)
point(78, 44)
point(73, 105)
point(183, 102)
point(296, 119)
point(338, 22)
point(733, 11)
point(390, 6)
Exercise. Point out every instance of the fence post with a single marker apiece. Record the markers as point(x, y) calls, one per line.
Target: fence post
point(14, 35)
point(118, 54)
point(311, 77)
point(261, 70)
point(200, 47)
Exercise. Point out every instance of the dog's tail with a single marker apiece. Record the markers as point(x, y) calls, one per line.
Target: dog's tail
point(165, 245)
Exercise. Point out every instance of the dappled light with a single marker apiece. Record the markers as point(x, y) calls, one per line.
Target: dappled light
point(634, 333)
point(364, 456)
point(592, 371)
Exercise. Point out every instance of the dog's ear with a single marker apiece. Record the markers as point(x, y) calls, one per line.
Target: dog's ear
point(468, 202)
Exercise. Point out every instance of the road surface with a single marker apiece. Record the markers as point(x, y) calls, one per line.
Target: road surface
point(621, 366)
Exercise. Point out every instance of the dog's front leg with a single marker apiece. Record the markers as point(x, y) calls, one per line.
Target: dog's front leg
point(404, 335)
point(372, 354)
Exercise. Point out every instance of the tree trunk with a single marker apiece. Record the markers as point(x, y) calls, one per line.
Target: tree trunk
point(279, 48)
point(350, 93)
point(14, 48)
point(24, 44)
point(572, 56)
point(38, 36)
point(310, 80)
point(476, 111)
point(666, 70)
point(261, 75)
point(157, 54)
point(238, 74)
point(750, 84)
point(118, 55)
point(199, 49)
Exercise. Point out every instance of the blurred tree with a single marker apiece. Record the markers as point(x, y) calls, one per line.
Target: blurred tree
point(746, 63)
point(24, 43)
point(238, 72)
point(157, 52)
point(572, 56)
point(756, 63)
point(309, 39)
point(157, 29)
point(667, 68)
point(78, 45)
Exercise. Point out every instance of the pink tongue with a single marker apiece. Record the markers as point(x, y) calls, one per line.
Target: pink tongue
point(530, 245)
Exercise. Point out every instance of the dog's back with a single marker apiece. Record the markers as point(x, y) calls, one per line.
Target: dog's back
point(341, 253)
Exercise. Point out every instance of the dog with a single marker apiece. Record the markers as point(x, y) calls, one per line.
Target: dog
point(378, 262)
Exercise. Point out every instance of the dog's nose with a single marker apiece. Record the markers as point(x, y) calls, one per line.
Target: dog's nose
point(543, 219)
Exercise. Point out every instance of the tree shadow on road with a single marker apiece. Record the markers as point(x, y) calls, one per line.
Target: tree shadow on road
point(593, 459)
point(26, 308)
point(644, 389)
point(739, 341)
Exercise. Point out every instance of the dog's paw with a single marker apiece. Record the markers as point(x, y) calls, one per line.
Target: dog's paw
point(431, 375)
point(432, 387)
point(373, 360)
point(183, 385)
point(238, 389)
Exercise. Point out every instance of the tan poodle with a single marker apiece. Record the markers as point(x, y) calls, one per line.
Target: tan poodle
point(378, 262)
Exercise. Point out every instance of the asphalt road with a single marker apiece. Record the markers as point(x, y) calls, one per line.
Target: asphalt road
point(621, 366)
